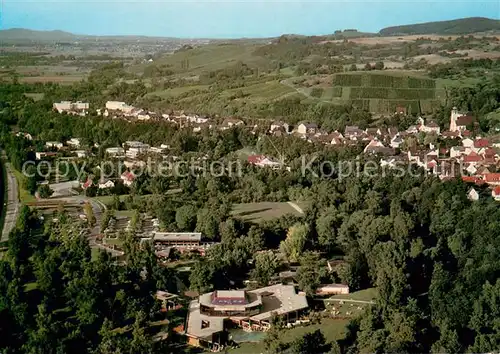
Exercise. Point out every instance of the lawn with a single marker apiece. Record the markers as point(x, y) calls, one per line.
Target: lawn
point(24, 195)
point(35, 96)
point(332, 329)
point(363, 295)
point(124, 213)
point(258, 212)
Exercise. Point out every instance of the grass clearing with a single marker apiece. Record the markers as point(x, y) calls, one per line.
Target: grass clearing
point(35, 96)
point(260, 92)
point(258, 212)
point(333, 329)
point(24, 195)
point(362, 295)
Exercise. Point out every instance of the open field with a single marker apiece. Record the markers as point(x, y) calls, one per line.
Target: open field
point(261, 92)
point(208, 58)
point(24, 195)
point(396, 39)
point(377, 91)
point(176, 91)
point(333, 329)
point(258, 212)
point(362, 295)
point(35, 96)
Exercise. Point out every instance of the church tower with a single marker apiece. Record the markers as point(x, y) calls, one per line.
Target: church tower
point(453, 119)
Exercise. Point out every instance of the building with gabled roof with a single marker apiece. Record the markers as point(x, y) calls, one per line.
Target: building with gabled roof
point(492, 178)
point(495, 193)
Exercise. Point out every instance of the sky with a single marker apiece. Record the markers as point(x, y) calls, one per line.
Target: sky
point(231, 18)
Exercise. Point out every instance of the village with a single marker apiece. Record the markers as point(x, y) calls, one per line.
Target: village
point(457, 151)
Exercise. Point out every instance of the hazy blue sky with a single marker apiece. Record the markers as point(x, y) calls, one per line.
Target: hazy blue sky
point(231, 18)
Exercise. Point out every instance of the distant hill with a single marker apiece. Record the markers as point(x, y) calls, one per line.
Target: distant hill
point(453, 27)
point(26, 34)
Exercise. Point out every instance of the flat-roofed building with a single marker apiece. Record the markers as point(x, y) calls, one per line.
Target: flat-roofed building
point(249, 309)
point(177, 238)
point(78, 107)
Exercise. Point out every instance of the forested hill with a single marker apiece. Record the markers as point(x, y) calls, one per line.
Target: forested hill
point(460, 26)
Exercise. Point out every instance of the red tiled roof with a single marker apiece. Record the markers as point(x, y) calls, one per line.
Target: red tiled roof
point(489, 161)
point(496, 191)
point(255, 159)
point(129, 176)
point(489, 152)
point(481, 143)
point(466, 133)
point(472, 157)
point(87, 184)
point(492, 177)
point(475, 180)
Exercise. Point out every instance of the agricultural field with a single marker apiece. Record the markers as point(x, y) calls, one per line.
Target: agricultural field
point(207, 58)
point(258, 212)
point(176, 91)
point(380, 91)
point(260, 92)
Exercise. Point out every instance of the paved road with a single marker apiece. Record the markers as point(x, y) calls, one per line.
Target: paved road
point(12, 203)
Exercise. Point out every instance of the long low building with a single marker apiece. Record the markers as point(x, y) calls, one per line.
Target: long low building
point(177, 238)
point(214, 312)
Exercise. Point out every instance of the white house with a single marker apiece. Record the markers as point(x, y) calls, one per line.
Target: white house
point(80, 153)
point(457, 151)
point(307, 128)
point(74, 142)
point(459, 121)
point(127, 178)
point(432, 127)
point(119, 106)
point(53, 144)
point(396, 142)
point(78, 107)
point(115, 151)
point(231, 122)
point(106, 184)
point(373, 144)
point(332, 289)
point(25, 135)
point(495, 193)
point(263, 161)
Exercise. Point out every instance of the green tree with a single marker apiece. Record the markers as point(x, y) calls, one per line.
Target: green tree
point(310, 343)
point(185, 217)
point(45, 191)
point(266, 264)
point(295, 242)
